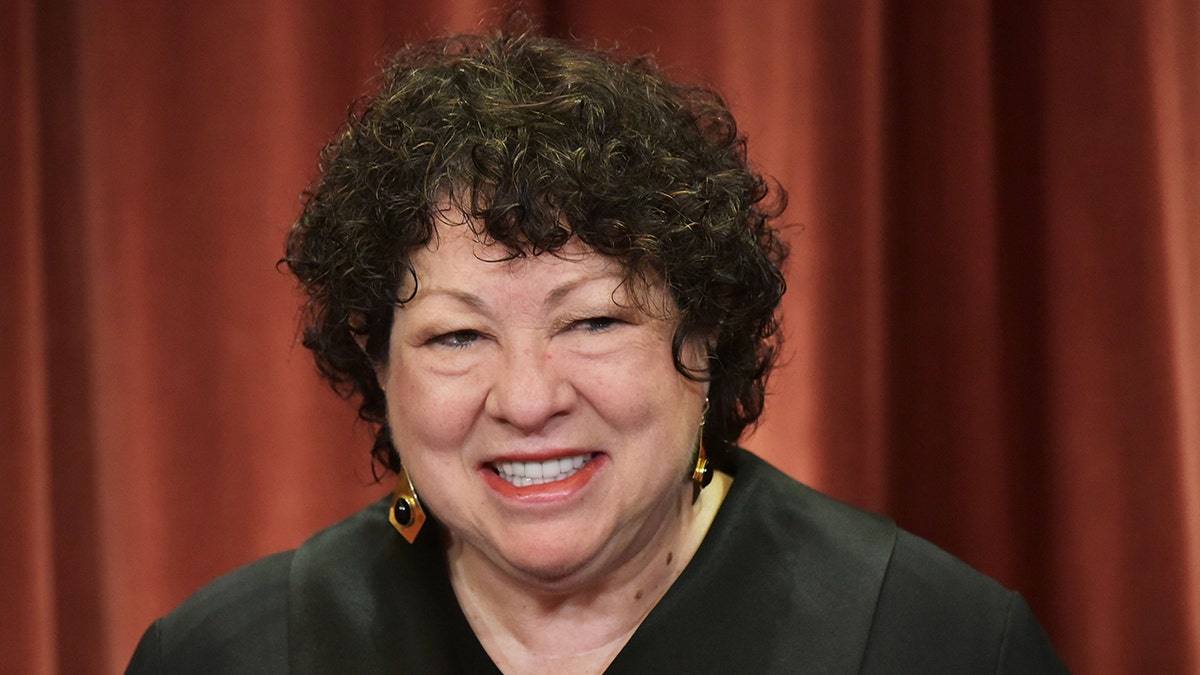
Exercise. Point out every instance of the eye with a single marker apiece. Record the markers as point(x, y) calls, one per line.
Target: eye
point(458, 339)
point(596, 324)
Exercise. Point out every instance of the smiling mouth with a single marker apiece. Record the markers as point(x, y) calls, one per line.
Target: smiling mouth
point(522, 474)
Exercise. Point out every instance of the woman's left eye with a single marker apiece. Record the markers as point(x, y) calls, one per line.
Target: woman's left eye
point(596, 324)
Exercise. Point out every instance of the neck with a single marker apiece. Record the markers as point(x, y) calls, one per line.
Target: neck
point(579, 623)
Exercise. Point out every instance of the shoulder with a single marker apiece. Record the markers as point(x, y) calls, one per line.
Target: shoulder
point(777, 507)
point(912, 606)
point(243, 621)
point(237, 623)
point(936, 614)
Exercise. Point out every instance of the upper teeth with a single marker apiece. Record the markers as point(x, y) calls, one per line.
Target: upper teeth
point(536, 473)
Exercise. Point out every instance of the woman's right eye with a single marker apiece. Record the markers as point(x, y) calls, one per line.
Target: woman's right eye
point(457, 339)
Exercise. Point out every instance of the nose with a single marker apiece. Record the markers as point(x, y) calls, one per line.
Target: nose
point(529, 390)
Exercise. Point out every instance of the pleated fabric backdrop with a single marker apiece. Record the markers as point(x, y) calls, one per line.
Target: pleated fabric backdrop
point(993, 320)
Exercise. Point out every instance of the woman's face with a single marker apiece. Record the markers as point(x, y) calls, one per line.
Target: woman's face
point(538, 410)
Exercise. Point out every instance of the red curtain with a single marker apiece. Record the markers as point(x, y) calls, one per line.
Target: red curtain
point(993, 320)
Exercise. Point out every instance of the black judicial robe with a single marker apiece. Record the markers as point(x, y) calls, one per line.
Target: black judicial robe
point(787, 581)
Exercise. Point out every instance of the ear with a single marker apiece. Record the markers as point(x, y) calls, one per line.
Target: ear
point(697, 351)
point(381, 375)
point(380, 367)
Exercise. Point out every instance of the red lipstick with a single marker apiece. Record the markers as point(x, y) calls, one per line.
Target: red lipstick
point(543, 493)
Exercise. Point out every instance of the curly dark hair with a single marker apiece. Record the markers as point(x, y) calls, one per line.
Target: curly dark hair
point(540, 141)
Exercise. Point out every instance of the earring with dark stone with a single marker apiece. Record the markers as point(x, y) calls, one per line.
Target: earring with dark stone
point(406, 514)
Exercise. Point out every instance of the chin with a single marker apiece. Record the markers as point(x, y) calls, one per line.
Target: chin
point(549, 565)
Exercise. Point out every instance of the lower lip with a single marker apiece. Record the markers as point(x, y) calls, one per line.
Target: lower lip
point(544, 493)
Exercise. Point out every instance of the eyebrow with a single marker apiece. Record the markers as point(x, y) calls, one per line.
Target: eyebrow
point(556, 295)
point(469, 299)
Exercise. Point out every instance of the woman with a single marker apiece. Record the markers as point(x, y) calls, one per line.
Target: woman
point(550, 280)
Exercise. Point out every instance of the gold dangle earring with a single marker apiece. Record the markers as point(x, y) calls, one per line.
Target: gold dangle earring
point(701, 475)
point(406, 514)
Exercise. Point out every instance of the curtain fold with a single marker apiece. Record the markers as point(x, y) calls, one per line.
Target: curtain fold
point(993, 319)
point(25, 528)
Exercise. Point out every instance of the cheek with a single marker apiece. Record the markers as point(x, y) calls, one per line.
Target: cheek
point(647, 396)
point(430, 411)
